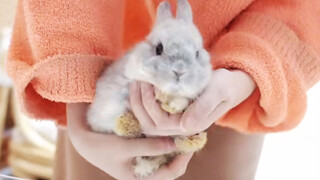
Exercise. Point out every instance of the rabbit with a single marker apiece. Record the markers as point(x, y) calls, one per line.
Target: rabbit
point(171, 58)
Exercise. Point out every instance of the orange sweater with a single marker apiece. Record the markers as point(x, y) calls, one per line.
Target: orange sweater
point(59, 48)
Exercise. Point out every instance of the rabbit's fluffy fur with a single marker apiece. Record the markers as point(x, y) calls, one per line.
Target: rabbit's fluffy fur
point(173, 60)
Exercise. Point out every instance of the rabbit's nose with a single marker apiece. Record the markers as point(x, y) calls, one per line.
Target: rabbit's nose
point(178, 73)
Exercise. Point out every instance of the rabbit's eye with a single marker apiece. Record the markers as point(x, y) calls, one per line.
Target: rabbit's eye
point(197, 54)
point(159, 49)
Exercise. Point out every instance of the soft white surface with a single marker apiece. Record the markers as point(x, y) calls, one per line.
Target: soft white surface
point(5, 36)
point(294, 155)
point(46, 128)
point(5, 81)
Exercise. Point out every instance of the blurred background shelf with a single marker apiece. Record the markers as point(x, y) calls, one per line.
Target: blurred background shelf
point(27, 146)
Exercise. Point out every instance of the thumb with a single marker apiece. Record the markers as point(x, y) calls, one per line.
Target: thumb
point(151, 146)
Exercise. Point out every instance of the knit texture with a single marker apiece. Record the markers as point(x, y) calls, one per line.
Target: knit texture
point(59, 48)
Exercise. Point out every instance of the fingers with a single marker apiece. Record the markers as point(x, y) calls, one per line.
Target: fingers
point(147, 124)
point(200, 109)
point(138, 108)
point(175, 169)
point(152, 106)
point(150, 146)
point(179, 164)
point(218, 112)
point(163, 132)
point(161, 118)
point(166, 125)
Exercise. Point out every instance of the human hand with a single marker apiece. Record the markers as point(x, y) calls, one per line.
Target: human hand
point(226, 90)
point(153, 119)
point(114, 154)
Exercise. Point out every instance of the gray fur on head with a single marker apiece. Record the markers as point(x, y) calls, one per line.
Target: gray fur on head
point(164, 12)
point(183, 68)
point(184, 11)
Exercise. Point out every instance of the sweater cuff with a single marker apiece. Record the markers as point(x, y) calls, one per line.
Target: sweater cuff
point(284, 42)
point(46, 86)
point(282, 66)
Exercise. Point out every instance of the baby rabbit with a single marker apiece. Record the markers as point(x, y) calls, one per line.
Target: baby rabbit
point(171, 58)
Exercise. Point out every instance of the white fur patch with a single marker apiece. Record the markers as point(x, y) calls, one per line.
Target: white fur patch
point(145, 166)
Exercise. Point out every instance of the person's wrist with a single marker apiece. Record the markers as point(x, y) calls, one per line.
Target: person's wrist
point(242, 85)
point(234, 86)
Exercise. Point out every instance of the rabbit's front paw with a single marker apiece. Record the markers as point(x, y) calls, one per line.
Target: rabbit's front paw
point(144, 166)
point(193, 143)
point(127, 125)
point(175, 105)
point(179, 104)
point(170, 104)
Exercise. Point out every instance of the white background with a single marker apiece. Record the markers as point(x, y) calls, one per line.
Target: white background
point(294, 155)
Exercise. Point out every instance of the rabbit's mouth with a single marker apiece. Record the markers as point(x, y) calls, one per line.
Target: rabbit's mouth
point(171, 91)
point(177, 90)
point(178, 79)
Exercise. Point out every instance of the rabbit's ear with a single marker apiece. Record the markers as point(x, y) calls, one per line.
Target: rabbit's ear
point(163, 12)
point(184, 10)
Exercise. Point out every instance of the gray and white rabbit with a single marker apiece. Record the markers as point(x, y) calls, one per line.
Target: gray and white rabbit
point(171, 58)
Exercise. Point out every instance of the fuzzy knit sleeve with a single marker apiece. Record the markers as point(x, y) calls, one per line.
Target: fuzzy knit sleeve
point(278, 44)
point(58, 49)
